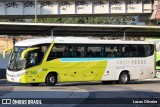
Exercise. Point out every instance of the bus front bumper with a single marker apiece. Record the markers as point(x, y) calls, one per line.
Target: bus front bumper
point(17, 77)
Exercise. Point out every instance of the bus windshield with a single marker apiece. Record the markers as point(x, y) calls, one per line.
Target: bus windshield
point(15, 62)
point(32, 58)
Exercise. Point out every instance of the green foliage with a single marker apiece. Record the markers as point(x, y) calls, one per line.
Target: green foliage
point(87, 20)
point(79, 20)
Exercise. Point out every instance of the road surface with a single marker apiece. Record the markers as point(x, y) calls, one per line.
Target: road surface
point(83, 91)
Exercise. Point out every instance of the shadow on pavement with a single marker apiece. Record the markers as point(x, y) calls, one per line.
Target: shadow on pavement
point(2, 73)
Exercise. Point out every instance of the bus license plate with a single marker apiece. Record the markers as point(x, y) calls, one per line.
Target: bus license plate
point(12, 79)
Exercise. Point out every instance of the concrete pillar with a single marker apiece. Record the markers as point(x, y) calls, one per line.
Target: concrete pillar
point(35, 19)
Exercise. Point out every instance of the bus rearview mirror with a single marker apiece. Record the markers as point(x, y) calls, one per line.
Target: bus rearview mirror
point(5, 51)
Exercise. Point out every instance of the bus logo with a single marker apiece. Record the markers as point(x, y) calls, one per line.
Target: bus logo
point(33, 72)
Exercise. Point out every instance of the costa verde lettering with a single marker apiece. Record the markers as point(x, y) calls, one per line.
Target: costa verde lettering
point(131, 62)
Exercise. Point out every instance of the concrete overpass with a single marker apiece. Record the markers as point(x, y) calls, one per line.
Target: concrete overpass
point(52, 8)
point(98, 30)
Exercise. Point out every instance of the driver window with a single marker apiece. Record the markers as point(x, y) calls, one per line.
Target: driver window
point(35, 57)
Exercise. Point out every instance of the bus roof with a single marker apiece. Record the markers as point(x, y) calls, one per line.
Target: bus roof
point(74, 40)
point(35, 41)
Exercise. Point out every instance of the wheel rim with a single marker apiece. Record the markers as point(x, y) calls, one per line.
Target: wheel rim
point(52, 80)
point(124, 78)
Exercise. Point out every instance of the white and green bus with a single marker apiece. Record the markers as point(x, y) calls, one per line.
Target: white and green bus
point(157, 45)
point(76, 59)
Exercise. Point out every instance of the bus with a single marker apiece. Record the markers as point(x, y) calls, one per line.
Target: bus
point(77, 59)
point(157, 44)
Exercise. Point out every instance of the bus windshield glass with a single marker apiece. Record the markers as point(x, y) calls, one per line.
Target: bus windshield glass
point(15, 62)
point(32, 58)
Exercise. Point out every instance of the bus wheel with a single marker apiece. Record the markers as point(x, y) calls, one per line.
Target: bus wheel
point(124, 78)
point(107, 82)
point(51, 80)
point(34, 84)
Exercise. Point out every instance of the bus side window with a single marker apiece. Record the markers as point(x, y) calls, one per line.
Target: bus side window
point(80, 51)
point(135, 50)
point(51, 55)
point(125, 50)
point(148, 50)
point(57, 51)
point(141, 51)
point(94, 51)
point(90, 53)
point(66, 53)
point(112, 51)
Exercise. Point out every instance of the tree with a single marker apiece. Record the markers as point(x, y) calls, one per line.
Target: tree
point(80, 20)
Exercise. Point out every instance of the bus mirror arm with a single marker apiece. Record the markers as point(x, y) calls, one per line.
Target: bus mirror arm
point(5, 51)
point(26, 51)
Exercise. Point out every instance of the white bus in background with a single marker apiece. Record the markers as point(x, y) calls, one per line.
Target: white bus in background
point(74, 59)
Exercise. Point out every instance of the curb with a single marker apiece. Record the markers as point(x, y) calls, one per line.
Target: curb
point(153, 79)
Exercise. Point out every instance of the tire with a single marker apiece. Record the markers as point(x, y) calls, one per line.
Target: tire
point(124, 78)
point(34, 84)
point(107, 82)
point(51, 80)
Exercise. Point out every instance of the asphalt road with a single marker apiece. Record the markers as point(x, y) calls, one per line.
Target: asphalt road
point(64, 91)
point(81, 91)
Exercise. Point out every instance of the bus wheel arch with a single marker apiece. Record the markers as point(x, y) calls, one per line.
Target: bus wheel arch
point(124, 77)
point(51, 78)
